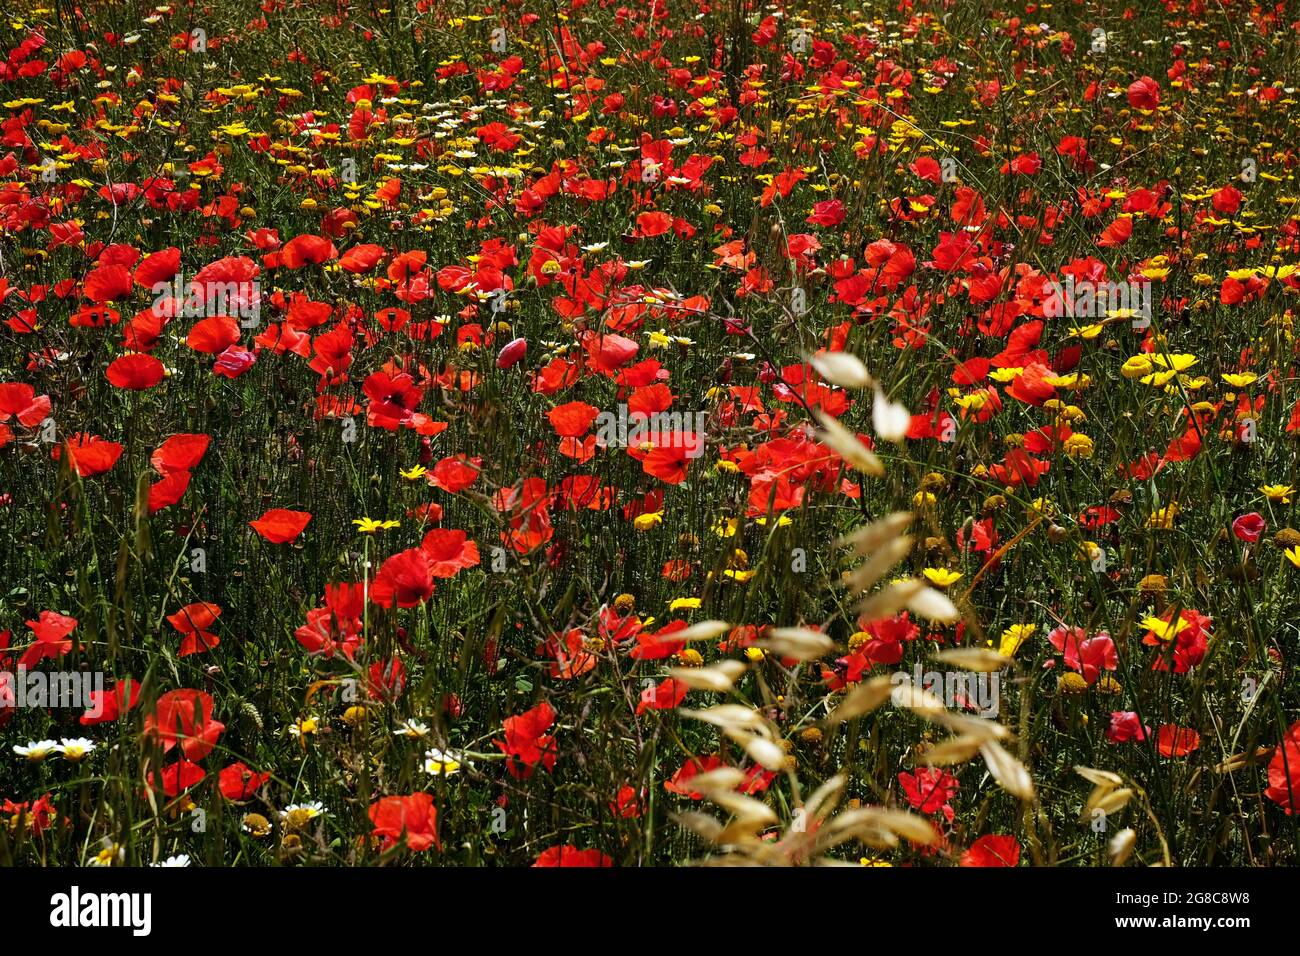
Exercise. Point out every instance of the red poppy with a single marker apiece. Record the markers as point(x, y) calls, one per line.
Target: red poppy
point(992, 850)
point(608, 352)
point(51, 630)
point(194, 622)
point(1284, 772)
point(679, 782)
point(527, 740)
point(511, 353)
point(929, 790)
point(158, 267)
point(449, 551)
point(455, 473)
point(657, 645)
point(572, 419)
point(184, 717)
point(90, 454)
point(135, 372)
point(1144, 94)
point(213, 335)
point(180, 453)
point(1249, 527)
point(20, 400)
point(1087, 655)
point(361, 259)
point(1125, 726)
point(281, 525)
point(109, 705)
point(664, 696)
point(413, 817)
point(238, 783)
point(178, 777)
point(404, 580)
point(571, 856)
point(301, 250)
point(107, 283)
point(1175, 741)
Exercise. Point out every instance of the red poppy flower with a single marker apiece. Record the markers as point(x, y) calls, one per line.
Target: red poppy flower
point(194, 621)
point(404, 580)
point(664, 696)
point(51, 630)
point(20, 400)
point(281, 525)
point(413, 817)
point(992, 850)
point(1144, 94)
point(1087, 655)
point(238, 783)
point(184, 717)
point(572, 856)
point(158, 268)
point(1284, 772)
point(607, 353)
point(572, 419)
point(135, 372)
point(213, 335)
point(527, 740)
point(1249, 527)
point(361, 259)
point(301, 250)
point(90, 454)
point(1175, 741)
point(679, 782)
point(449, 551)
point(455, 473)
point(178, 777)
point(108, 283)
point(511, 353)
point(930, 790)
point(1125, 726)
point(108, 705)
point(180, 453)
point(658, 645)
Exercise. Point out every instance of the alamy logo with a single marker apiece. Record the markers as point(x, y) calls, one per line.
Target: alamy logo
point(76, 909)
point(978, 691)
point(1084, 299)
point(201, 300)
point(74, 690)
point(623, 429)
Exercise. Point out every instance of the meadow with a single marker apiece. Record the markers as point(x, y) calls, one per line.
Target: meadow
point(582, 433)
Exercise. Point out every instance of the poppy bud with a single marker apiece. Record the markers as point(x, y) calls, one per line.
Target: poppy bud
point(1249, 527)
point(512, 352)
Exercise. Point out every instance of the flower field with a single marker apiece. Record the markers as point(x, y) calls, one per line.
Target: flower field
point(577, 433)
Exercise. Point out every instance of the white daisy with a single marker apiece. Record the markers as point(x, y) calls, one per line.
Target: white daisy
point(412, 728)
point(36, 750)
point(438, 763)
point(75, 749)
point(297, 816)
